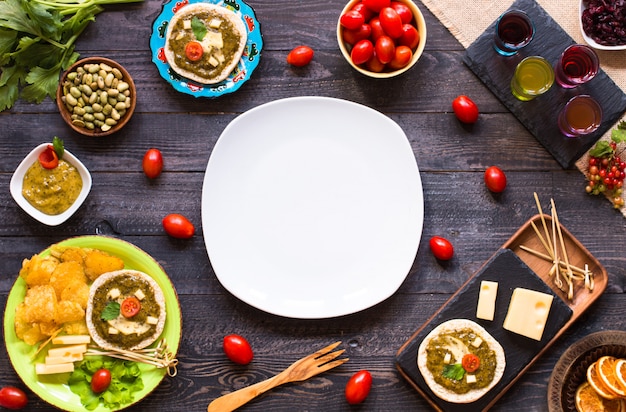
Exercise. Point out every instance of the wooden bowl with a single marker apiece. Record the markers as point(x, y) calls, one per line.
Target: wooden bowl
point(418, 22)
point(78, 120)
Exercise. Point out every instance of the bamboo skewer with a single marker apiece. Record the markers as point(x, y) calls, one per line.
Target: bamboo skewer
point(159, 356)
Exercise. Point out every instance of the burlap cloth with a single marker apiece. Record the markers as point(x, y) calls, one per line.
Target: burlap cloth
point(467, 20)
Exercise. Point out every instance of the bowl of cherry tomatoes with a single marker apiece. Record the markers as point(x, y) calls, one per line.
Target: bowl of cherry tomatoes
point(381, 38)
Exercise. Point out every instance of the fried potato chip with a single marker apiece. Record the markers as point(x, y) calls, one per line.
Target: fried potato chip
point(70, 254)
point(76, 328)
point(98, 262)
point(40, 304)
point(37, 270)
point(76, 291)
point(68, 311)
point(66, 273)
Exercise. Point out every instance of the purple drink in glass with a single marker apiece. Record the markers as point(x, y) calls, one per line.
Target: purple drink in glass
point(577, 65)
point(514, 30)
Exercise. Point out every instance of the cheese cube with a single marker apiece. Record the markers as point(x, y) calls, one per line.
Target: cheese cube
point(470, 378)
point(55, 360)
point(186, 24)
point(487, 300)
point(43, 369)
point(447, 358)
point(528, 313)
point(67, 350)
point(139, 294)
point(477, 342)
point(113, 293)
point(71, 339)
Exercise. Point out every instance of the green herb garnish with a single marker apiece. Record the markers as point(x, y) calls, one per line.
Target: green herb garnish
point(125, 381)
point(57, 145)
point(37, 39)
point(455, 372)
point(198, 28)
point(111, 311)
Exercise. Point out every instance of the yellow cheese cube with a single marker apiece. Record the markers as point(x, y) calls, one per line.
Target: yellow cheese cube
point(43, 369)
point(487, 300)
point(528, 313)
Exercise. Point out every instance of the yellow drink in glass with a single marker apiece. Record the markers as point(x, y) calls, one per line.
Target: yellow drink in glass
point(533, 77)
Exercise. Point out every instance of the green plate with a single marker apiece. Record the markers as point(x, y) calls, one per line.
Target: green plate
point(53, 388)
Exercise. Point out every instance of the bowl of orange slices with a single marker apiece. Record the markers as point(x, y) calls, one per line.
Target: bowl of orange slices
point(591, 375)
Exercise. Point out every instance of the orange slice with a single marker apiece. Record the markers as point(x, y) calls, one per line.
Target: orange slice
point(588, 400)
point(620, 371)
point(593, 377)
point(606, 371)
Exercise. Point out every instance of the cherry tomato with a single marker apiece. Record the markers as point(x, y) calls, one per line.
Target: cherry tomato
point(237, 349)
point(49, 158)
point(361, 8)
point(377, 29)
point(178, 226)
point(391, 22)
point(362, 52)
point(351, 20)
point(441, 247)
point(385, 49)
point(470, 362)
point(495, 179)
point(152, 163)
point(100, 380)
point(194, 51)
point(410, 36)
point(374, 65)
point(465, 109)
point(13, 398)
point(353, 36)
point(130, 307)
point(300, 56)
point(405, 13)
point(358, 387)
point(402, 57)
point(376, 5)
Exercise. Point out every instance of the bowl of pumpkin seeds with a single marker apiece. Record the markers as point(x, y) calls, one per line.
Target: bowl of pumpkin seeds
point(96, 96)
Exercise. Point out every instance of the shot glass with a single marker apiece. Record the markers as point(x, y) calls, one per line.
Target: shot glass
point(514, 30)
point(533, 76)
point(581, 116)
point(577, 65)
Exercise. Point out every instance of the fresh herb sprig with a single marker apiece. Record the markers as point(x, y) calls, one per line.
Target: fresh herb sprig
point(37, 40)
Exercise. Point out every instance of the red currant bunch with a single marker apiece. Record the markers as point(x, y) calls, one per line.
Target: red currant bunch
point(607, 171)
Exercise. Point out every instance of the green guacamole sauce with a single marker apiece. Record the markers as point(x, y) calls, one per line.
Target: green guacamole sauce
point(52, 191)
point(181, 36)
point(435, 353)
point(127, 286)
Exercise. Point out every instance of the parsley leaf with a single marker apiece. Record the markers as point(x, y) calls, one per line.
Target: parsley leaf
point(198, 28)
point(111, 311)
point(454, 372)
point(58, 146)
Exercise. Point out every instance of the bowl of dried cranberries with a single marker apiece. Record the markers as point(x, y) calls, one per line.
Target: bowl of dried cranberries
point(603, 24)
point(381, 38)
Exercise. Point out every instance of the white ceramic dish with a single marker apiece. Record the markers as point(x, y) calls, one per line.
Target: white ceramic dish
point(591, 41)
point(312, 207)
point(18, 178)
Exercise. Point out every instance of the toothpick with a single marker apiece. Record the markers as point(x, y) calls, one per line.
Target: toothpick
point(543, 220)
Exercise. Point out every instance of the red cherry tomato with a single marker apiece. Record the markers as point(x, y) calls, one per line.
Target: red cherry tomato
point(405, 13)
point(441, 247)
point(152, 163)
point(351, 20)
point(385, 49)
point(130, 307)
point(376, 5)
point(300, 56)
point(178, 226)
point(49, 158)
point(362, 52)
point(353, 36)
point(377, 29)
point(495, 179)
point(13, 398)
point(402, 57)
point(367, 13)
point(100, 380)
point(237, 349)
point(391, 22)
point(410, 36)
point(374, 65)
point(470, 362)
point(194, 51)
point(358, 387)
point(465, 109)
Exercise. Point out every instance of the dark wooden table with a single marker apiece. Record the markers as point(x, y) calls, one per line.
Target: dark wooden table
point(451, 157)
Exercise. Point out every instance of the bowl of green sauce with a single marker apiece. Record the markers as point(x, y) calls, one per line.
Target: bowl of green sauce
point(50, 195)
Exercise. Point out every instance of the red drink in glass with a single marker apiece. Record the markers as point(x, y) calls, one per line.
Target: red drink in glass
point(514, 30)
point(577, 65)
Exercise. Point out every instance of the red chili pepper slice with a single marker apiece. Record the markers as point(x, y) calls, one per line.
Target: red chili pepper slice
point(48, 158)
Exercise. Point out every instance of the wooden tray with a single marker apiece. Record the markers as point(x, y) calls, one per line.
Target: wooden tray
point(511, 267)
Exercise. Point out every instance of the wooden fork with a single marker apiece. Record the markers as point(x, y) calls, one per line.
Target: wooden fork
point(300, 370)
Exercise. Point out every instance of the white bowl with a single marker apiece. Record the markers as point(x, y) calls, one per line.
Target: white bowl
point(591, 41)
point(18, 178)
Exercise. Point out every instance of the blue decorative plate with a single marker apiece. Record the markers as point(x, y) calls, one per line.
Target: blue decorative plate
point(248, 62)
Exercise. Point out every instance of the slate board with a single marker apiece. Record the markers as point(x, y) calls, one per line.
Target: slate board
point(506, 268)
point(539, 116)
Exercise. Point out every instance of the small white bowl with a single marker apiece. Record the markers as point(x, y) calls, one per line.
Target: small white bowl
point(18, 178)
point(591, 41)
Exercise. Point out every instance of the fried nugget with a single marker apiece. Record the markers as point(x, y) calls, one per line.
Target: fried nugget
point(66, 273)
point(37, 270)
point(98, 262)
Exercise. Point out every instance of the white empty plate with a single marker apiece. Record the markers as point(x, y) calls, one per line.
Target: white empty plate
point(312, 207)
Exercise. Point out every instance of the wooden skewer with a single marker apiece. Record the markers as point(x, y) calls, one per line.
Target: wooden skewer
point(543, 221)
point(541, 239)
